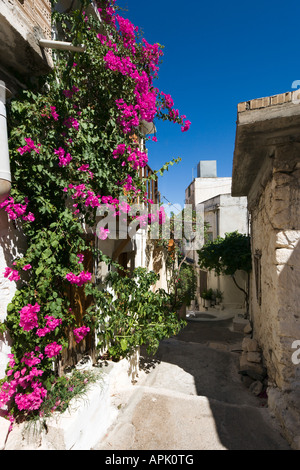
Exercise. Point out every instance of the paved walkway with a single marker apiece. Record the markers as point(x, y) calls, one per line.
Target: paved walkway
point(189, 396)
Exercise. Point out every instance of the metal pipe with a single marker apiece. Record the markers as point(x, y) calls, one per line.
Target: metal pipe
point(5, 175)
point(61, 45)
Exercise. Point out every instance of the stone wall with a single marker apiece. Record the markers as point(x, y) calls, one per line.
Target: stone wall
point(275, 279)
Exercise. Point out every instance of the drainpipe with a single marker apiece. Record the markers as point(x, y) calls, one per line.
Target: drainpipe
point(218, 219)
point(61, 45)
point(5, 176)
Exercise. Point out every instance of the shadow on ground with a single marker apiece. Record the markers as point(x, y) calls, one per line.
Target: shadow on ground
point(205, 356)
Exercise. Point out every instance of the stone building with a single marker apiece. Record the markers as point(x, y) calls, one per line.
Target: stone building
point(266, 169)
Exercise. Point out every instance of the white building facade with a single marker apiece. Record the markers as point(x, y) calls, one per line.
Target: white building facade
point(222, 214)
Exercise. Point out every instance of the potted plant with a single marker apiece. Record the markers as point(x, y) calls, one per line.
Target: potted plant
point(185, 287)
point(207, 295)
point(218, 296)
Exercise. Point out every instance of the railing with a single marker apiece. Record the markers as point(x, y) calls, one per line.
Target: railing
point(152, 184)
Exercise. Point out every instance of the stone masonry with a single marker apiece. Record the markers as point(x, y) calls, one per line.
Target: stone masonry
point(266, 169)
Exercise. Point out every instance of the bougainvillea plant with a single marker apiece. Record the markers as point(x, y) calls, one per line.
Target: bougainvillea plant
point(74, 145)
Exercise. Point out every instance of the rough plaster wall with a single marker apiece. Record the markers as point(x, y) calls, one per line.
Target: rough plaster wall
point(155, 260)
point(12, 242)
point(207, 188)
point(233, 215)
point(232, 296)
point(276, 232)
point(230, 216)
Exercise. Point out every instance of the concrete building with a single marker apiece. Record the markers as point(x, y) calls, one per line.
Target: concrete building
point(206, 185)
point(266, 169)
point(223, 214)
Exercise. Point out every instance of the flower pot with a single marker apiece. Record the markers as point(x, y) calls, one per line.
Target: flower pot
point(182, 311)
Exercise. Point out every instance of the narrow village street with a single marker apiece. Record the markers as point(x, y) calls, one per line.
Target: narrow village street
point(191, 397)
point(103, 249)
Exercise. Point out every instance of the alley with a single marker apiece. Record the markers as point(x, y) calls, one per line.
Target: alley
point(189, 396)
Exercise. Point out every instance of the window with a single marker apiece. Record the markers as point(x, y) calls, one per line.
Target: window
point(210, 236)
point(257, 272)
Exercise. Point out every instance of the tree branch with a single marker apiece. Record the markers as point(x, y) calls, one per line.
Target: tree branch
point(245, 293)
point(239, 287)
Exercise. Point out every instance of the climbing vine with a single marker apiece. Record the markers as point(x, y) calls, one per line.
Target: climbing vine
point(74, 146)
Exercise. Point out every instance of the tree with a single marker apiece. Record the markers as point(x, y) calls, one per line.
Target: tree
point(227, 256)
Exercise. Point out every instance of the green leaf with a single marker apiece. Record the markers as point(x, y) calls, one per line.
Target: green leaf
point(46, 253)
point(39, 270)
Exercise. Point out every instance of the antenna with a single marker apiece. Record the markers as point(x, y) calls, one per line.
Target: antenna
point(194, 168)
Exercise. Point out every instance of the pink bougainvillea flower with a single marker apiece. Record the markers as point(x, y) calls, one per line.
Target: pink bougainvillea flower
point(151, 55)
point(127, 31)
point(51, 324)
point(28, 316)
point(70, 93)
point(52, 349)
point(124, 207)
point(54, 113)
point(79, 279)
point(80, 333)
point(168, 100)
point(11, 274)
point(186, 126)
point(102, 233)
point(11, 360)
point(119, 151)
point(71, 122)
point(33, 400)
point(31, 360)
point(15, 210)
point(29, 147)
point(173, 114)
point(129, 117)
point(81, 258)
point(29, 217)
point(64, 159)
point(107, 14)
point(84, 167)
point(161, 216)
point(26, 267)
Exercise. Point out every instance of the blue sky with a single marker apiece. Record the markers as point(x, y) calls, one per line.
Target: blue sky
point(216, 54)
